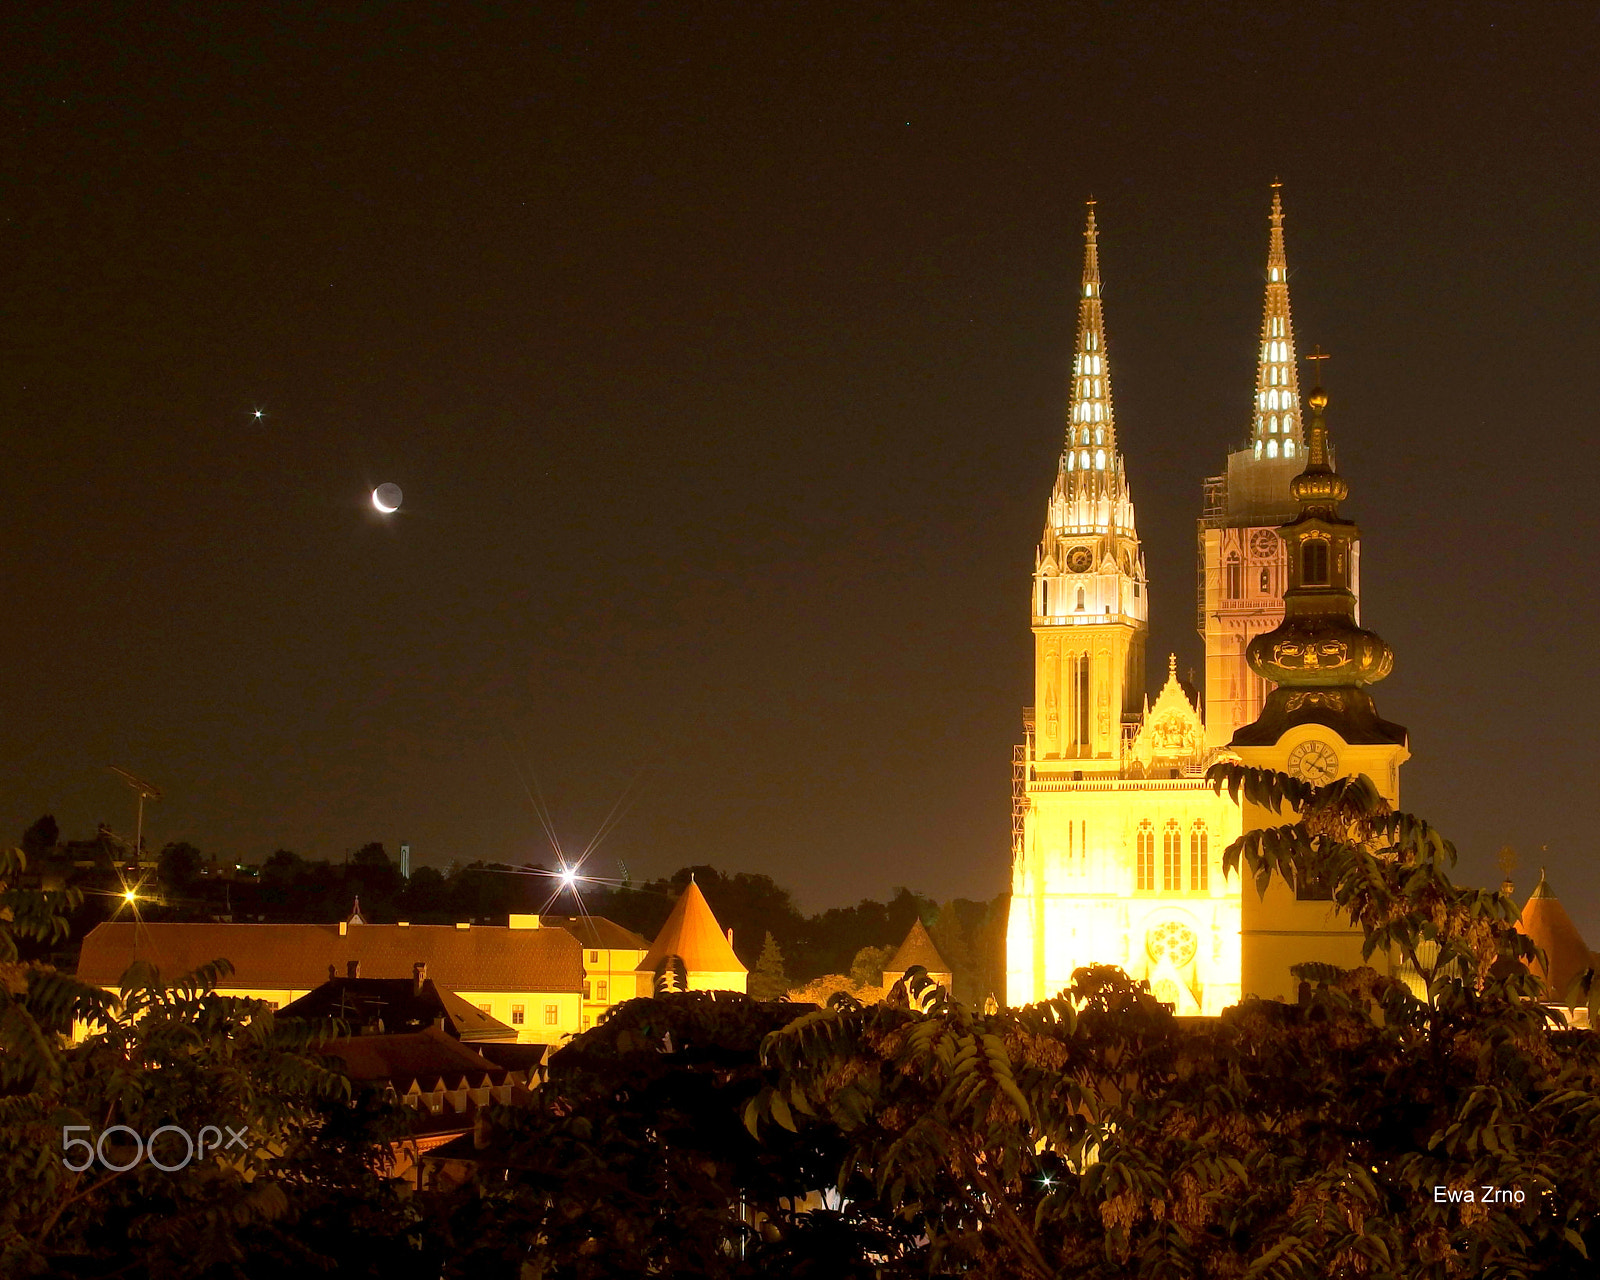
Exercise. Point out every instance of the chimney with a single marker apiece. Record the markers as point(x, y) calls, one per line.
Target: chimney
point(352, 968)
point(419, 975)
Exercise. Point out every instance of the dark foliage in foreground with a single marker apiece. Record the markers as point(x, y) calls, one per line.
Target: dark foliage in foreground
point(1092, 1135)
point(710, 1135)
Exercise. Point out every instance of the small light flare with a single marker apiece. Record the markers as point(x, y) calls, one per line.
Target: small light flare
point(130, 897)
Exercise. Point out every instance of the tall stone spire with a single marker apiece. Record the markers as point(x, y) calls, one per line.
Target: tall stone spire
point(1091, 375)
point(1092, 489)
point(1277, 431)
point(1090, 602)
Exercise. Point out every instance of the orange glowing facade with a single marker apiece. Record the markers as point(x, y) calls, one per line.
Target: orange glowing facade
point(1117, 838)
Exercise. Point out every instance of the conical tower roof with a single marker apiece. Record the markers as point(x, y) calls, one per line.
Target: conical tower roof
point(1547, 923)
point(693, 935)
point(918, 948)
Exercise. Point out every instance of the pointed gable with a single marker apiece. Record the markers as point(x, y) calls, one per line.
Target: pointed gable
point(1547, 923)
point(1172, 734)
point(693, 935)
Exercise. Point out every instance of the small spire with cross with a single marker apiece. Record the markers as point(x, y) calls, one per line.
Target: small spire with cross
point(1315, 358)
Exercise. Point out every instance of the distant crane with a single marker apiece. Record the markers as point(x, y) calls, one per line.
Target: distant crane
point(145, 791)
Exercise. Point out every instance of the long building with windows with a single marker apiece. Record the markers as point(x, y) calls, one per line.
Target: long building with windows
point(1117, 838)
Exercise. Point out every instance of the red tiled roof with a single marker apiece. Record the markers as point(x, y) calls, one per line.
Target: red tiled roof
point(423, 1056)
point(297, 956)
point(398, 1006)
point(693, 934)
point(597, 932)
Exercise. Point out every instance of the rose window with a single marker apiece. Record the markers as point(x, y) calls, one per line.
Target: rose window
point(1172, 941)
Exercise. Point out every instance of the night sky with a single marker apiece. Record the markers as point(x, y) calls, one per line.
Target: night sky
point(721, 353)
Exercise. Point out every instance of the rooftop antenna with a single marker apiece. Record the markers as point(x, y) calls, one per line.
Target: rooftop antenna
point(145, 791)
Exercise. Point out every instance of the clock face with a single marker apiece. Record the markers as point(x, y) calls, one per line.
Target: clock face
point(1079, 559)
point(1315, 762)
point(1264, 544)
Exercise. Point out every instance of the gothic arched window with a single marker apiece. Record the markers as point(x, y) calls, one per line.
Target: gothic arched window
point(1272, 448)
point(1099, 459)
point(1265, 582)
point(1080, 599)
point(1199, 857)
point(1235, 578)
point(1145, 863)
point(1288, 448)
point(1172, 857)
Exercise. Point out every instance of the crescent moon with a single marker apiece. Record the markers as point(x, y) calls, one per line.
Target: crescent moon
point(378, 502)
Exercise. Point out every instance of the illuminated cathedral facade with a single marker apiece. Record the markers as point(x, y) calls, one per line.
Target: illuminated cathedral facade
point(1117, 837)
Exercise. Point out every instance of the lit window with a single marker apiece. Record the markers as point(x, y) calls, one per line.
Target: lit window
point(516, 1015)
point(1258, 448)
point(1264, 582)
point(1099, 459)
point(552, 1014)
point(1274, 427)
point(1083, 459)
point(1272, 375)
point(1099, 413)
point(1072, 460)
point(1172, 858)
point(1272, 448)
point(1288, 448)
point(1274, 273)
point(483, 1008)
point(1145, 863)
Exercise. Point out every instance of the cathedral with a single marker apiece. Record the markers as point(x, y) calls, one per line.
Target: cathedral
point(1117, 838)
